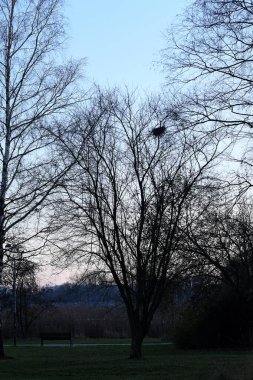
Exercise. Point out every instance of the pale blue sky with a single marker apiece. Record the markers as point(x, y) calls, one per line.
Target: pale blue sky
point(120, 38)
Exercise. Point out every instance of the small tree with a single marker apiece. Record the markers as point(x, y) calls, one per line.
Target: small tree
point(122, 204)
point(221, 239)
point(219, 243)
point(26, 301)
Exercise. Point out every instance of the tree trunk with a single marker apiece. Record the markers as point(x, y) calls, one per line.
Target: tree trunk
point(139, 326)
point(136, 347)
point(2, 355)
point(137, 336)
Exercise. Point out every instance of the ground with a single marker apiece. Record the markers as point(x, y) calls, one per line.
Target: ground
point(109, 363)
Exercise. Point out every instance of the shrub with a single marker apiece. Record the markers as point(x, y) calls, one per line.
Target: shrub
point(223, 320)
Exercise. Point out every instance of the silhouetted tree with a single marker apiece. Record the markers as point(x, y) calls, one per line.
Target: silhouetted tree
point(221, 239)
point(209, 56)
point(210, 47)
point(123, 202)
point(20, 276)
point(33, 90)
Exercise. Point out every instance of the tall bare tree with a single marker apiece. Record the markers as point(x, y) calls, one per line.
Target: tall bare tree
point(209, 55)
point(210, 47)
point(33, 91)
point(122, 203)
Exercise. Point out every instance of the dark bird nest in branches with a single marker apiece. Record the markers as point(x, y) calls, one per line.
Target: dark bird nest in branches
point(159, 131)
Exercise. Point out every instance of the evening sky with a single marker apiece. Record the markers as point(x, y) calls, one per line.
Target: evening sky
point(121, 41)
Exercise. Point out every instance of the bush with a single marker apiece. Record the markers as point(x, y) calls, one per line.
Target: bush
point(220, 321)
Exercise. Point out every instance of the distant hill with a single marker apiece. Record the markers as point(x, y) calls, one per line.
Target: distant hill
point(92, 295)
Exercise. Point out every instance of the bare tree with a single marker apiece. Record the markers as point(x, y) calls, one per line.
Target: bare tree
point(26, 302)
point(33, 91)
point(209, 55)
point(210, 46)
point(122, 203)
point(220, 246)
point(221, 239)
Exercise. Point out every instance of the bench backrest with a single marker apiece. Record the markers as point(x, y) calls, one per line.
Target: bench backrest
point(49, 336)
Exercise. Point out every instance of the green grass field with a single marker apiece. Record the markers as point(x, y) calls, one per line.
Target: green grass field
point(81, 340)
point(109, 363)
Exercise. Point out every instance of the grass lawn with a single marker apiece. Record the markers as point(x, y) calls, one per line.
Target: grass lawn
point(109, 363)
point(33, 341)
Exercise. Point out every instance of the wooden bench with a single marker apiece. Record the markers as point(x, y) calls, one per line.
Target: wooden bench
point(55, 336)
